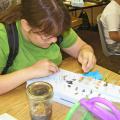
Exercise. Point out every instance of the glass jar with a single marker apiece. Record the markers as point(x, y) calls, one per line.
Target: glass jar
point(40, 99)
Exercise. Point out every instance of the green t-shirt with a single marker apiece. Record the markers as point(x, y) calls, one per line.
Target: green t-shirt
point(29, 53)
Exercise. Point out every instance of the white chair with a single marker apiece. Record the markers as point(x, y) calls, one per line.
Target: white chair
point(102, 38)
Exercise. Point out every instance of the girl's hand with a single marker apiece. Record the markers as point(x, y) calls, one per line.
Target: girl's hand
point(43, 68)
point(87, 59)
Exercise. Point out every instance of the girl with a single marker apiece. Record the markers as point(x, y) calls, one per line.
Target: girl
point(39, 55)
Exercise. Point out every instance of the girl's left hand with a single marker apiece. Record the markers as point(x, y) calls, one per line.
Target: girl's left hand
point(87, 59)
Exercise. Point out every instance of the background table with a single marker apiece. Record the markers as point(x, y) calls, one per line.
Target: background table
point(87, 5)
point(15, 102)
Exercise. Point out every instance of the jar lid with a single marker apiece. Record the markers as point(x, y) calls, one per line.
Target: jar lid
point(40, 90)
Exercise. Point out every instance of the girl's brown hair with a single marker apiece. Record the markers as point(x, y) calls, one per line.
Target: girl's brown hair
point(50, 16)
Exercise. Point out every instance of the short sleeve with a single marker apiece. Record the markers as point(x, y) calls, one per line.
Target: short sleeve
point(113, 22)
point(4, 49)
point(69, 38)
point(2, 60)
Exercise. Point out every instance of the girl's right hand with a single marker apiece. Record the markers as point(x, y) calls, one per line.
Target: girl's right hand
point(43, 68)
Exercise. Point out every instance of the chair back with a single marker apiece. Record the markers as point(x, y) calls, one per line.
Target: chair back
point(102, 37)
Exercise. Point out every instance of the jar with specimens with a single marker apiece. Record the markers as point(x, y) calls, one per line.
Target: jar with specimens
point(40, 100)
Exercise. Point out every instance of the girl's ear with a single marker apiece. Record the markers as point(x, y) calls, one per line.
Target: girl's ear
point(25, 25)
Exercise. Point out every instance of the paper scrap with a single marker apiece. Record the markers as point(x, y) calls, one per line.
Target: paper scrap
point(7, 116)
point(96, 75)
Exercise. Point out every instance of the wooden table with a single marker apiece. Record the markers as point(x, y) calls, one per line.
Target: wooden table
point(16, 104)
point(87, 5)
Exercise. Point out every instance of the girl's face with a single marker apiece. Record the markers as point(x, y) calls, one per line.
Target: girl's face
point(41, 40)
point(34, 36)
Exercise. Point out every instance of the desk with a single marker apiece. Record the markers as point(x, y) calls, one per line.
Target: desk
point(86, 5)
point(16, 104)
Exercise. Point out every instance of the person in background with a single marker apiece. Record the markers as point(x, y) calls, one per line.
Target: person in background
point(111, 22)
point(39, 55)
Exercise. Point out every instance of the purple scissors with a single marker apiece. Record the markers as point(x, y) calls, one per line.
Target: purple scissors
point(112, 113)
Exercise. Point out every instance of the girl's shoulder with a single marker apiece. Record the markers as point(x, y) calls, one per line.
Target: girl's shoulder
point(2, 27)
point(3, 34)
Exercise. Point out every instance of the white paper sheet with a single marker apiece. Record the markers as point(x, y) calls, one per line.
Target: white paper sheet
point(70, 87)
point(7, 116)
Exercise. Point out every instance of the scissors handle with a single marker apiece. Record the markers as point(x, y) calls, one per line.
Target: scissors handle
point(99, 111)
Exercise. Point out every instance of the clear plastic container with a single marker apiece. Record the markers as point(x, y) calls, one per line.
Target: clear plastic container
point(82, 114)
point(79, 113)
point(93, 109)
point(40, 99)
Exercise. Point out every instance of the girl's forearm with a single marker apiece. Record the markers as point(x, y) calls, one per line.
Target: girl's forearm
point(14, 79)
